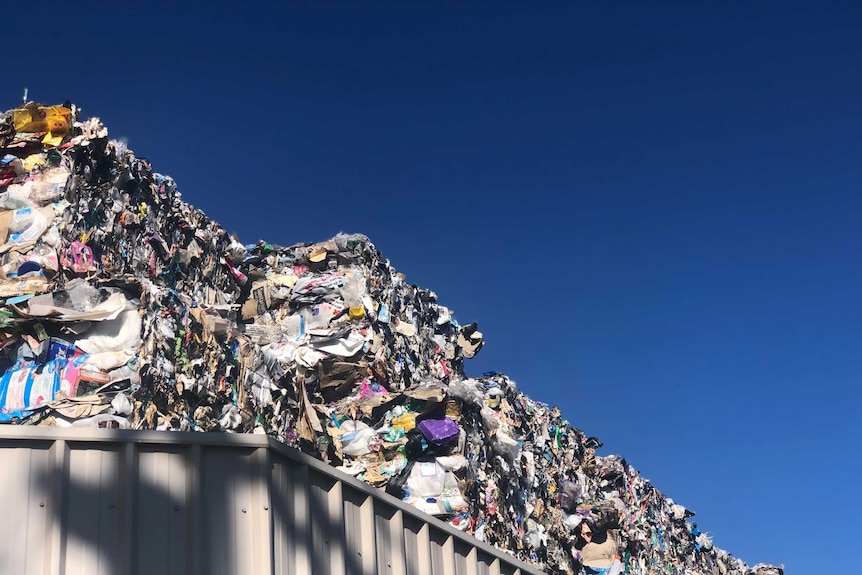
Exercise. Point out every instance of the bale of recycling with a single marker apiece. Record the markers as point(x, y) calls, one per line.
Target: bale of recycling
point(125, 307)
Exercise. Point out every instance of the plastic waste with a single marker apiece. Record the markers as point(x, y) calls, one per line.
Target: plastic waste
point(170, 323)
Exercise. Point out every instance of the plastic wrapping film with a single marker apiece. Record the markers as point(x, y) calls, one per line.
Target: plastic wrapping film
point(125, 307)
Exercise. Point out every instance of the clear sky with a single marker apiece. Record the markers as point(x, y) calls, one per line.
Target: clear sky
point(652, 209)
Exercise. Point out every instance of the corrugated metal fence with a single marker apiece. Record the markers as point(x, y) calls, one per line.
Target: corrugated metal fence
point(100, 502)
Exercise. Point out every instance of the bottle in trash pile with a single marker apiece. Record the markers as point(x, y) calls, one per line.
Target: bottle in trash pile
point(352, 293)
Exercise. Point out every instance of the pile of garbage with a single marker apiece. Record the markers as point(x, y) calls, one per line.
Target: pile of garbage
point(125, 307)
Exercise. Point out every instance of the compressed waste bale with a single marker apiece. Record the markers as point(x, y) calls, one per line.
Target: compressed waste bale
point(122, 306)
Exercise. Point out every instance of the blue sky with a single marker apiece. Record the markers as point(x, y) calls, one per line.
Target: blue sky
point(651, 209)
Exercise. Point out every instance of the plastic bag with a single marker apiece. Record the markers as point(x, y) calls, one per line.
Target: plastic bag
point(27, 226)
point(45, 256)
point(395, 486)
point(78, 258)
point(82, 296)
point(355, 441)
point(427, 479)
point(467, 390)
point(570, 494)
point(48, 188)
point(22, 218)
point(318, 316)
point(506, 446)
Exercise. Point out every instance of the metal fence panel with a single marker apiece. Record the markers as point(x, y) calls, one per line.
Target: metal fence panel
point(162, 499)
point(24, 497)
point(109, 502)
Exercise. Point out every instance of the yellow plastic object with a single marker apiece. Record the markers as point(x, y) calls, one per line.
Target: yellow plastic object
point(405, 420)
point(34, 160)
point(33, 118)
point(52, 139)
point(356, 311)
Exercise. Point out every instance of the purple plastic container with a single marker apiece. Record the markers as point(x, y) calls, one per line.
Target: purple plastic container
point(439, 431)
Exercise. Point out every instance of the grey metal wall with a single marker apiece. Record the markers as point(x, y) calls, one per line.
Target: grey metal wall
point(101, 502)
